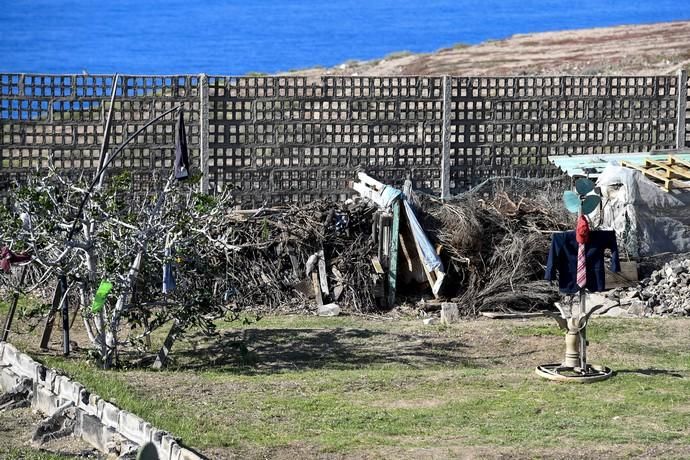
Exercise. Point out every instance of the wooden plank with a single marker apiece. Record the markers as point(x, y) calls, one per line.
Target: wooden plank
point(436, 287)
point(682, 173)
point(393, 267)
point(164, 352)
point(430, 276)
point(518, 315)
point(673, 159)
point(377, 265)
point(294, 262)
point(658, 167)
point(338, 276)
point(679, 167)
point(337, 292)
point(646, 172)
point(385, 222)
point(317, 288)
point(369, 188)
point(322, 273)
point(413, 270)
point(627, 277)
point(649, 173)
point(405, 252)
point(668, 169)
point(662, 172)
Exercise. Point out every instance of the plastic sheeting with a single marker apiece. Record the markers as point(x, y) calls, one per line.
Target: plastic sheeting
point(388, 195)
point(647, 220)
point(431, 260)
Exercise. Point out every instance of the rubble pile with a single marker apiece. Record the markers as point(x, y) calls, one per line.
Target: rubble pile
point(666, 292)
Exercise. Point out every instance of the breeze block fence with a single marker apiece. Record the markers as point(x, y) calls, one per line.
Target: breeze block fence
point(280, 139)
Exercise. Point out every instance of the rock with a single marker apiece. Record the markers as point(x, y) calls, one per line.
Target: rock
point(330, 309)
point(618, 312)
point(430, 321)
point(637, 308)
point(665, 292)
point(450, 313)
point(594, 298)
point(647, 294)
point(629, 296)
point(614, 294)
point(674, 270)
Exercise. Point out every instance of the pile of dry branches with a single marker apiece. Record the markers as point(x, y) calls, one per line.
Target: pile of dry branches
point(271, 248)
point(497, 244)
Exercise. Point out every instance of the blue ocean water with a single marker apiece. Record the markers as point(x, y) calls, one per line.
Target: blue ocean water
point(235, 37)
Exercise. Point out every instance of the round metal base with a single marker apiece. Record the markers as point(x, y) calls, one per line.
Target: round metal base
point(561, 373)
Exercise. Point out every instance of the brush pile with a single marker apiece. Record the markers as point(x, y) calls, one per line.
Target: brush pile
point(497, 244)
point(272, 248)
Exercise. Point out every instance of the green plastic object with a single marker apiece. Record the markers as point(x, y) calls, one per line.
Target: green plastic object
point(147, 452)
point(584, 186)
point(571, 201)
point(101, 295)
point(590, 203)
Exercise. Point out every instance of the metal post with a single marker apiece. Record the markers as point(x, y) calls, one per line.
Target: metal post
point(682, 90)
point(445, 141)
point(583, 331)
point(203, 131)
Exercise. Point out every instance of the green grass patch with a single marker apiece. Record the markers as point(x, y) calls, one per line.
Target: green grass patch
point(351, 384)
point(26, 306)
point(537, 331)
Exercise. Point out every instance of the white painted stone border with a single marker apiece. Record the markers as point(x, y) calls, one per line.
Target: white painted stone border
point(100, 423)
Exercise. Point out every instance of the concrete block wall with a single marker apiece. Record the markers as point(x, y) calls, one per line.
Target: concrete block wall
point(100, 423)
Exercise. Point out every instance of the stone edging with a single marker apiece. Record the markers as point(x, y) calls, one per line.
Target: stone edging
point(98, 422)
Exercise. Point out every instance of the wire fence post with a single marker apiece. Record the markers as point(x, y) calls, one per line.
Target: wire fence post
point(682, 107)
point(203, 132)
point(445, 141)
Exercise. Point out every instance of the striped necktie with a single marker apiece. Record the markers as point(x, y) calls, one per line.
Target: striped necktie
point(581, 266)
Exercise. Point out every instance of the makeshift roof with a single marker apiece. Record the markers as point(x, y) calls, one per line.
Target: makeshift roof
point(593, 165)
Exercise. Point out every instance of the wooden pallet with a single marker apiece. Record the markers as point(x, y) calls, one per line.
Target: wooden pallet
point(672, 173)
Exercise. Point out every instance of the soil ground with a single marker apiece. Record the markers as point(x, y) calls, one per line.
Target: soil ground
point(17, 427)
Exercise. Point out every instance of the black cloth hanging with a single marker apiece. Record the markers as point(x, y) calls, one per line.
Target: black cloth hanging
point(563, 259)
point(181, 153)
